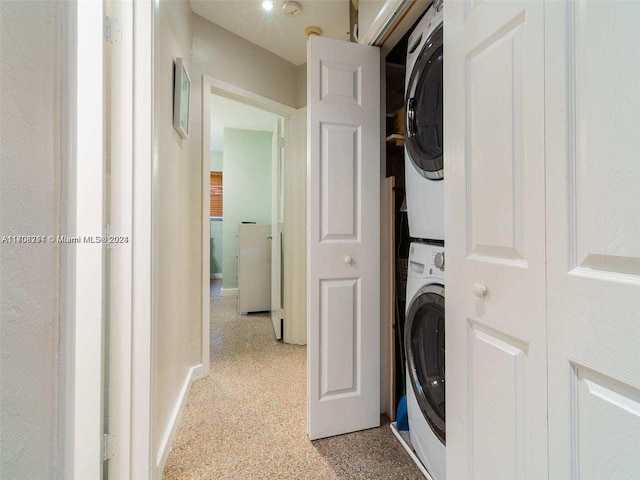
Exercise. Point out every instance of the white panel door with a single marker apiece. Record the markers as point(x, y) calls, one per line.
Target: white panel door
point(495, 239)
point(593, 246)
point(343, 236)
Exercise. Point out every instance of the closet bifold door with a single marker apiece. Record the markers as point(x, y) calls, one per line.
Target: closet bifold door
point(593, 243)
point(495, 239)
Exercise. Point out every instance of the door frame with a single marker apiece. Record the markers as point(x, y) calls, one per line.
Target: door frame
point(277, 222)
point(82, 137)
point(211, 85)
point(82, 176)
point(132, 288)
point(143, 324)
point(394, 20)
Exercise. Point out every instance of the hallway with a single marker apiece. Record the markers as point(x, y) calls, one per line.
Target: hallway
point(247, 418)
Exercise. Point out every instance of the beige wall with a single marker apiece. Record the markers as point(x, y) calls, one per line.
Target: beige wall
point(301, 85)
point(222, 55)
point(29, 277)
point(225, 56)
point(176, 227)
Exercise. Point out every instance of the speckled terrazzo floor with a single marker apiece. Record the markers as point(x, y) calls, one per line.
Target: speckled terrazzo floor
point(246, 420)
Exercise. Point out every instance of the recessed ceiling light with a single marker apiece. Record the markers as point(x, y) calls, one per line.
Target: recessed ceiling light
point(267, 5)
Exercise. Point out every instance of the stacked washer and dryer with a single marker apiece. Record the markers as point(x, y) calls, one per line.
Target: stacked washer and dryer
point(424, 327)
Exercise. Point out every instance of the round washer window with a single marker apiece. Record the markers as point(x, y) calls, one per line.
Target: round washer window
point(424, 112)
point(424, 343)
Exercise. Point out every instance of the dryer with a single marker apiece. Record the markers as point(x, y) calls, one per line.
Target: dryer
point(424, 341)
point(424, 127)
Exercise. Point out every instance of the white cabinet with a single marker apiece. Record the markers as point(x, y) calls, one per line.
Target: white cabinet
point(542, 112)
point(254, 268)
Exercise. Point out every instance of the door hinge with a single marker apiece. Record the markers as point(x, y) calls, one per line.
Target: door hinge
point(109, 446)
point(112, 30)
point(281, 141)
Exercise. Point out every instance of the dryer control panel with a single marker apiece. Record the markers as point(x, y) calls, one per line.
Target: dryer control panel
point(426, 260)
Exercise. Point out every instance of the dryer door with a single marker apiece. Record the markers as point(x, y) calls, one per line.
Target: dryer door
point(424, 343)
point(424, 118)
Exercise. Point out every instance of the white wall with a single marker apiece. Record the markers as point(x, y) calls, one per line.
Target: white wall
point(29, 200)
point(177, 231)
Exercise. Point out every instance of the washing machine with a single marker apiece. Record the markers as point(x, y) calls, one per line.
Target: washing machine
point(424, 346)
point(423, 131)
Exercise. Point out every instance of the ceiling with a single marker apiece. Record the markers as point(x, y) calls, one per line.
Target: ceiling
point(227, 113)
point(272, 30)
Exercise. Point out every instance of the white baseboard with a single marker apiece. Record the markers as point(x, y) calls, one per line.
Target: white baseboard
point(405, 441)
point(200, 372)
point(216, 275)
point(170, 433)
point(229, 292)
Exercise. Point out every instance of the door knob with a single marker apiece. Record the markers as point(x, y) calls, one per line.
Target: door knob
point(348, 260)
point(269, 237)
point(480, 290)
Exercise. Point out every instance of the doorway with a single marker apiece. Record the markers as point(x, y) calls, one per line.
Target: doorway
point(243, 115)
point(246, 206)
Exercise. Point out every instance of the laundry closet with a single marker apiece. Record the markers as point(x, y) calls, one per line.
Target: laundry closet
point(415, 173)
point(531, 162)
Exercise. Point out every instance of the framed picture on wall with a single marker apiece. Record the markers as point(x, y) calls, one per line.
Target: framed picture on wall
point(181, 97)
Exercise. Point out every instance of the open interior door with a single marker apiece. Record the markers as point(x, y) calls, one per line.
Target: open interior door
point(277, 219)
point(343, 237)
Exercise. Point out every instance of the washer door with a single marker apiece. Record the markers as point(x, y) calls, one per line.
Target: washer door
point(424, 343)
point(424, 118)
